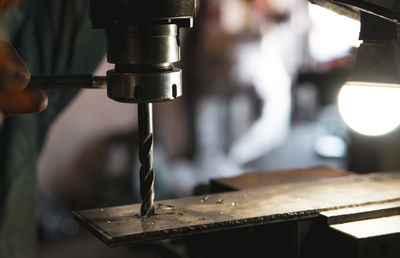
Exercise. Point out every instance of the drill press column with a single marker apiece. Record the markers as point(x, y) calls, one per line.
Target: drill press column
point(143, 43)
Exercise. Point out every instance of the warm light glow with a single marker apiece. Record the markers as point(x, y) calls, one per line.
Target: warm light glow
point(370, 110)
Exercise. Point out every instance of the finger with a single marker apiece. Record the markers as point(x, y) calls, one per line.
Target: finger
point(29, 100)
point(14, 73)
point(5, 4)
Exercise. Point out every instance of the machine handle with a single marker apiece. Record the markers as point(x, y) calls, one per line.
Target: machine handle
point(85, 81)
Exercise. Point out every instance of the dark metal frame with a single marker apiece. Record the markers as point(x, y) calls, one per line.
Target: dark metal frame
point(352, 9)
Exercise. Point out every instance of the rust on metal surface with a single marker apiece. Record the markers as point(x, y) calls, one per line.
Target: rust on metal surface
point(216, 212)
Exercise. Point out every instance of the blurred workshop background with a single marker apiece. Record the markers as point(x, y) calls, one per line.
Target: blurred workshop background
point(261, 80)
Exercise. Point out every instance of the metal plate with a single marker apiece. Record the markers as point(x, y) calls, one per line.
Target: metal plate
point(263, 179)
point(370, 228)
point(195, 215)
point(373, 211)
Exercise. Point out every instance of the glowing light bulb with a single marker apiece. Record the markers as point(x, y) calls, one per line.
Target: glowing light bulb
point(370, 110)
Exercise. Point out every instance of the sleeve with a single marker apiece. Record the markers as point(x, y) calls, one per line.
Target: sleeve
point(53, 37)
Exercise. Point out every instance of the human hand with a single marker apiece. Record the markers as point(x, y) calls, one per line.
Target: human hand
point(6, 4)
point(16, 95)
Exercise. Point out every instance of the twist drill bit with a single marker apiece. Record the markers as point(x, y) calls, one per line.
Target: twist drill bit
point(145, 115)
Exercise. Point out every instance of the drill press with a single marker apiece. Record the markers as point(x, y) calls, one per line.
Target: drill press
point(143, 43)
point(349, 216)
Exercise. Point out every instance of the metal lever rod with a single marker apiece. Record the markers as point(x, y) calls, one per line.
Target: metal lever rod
point(85, 81)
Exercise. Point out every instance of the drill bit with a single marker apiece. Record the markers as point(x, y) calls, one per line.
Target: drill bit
point(145, 116)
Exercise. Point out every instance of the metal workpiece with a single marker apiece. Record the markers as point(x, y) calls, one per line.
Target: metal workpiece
point(368, 228)
point(146, 140)
point(368, 231)
point(352, 214)
point(143, 44)
point(185, 217)
point(69, 82)
point(150, 87)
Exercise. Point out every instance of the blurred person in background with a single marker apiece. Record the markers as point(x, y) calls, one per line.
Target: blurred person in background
point(270, 66)
point(247, 54)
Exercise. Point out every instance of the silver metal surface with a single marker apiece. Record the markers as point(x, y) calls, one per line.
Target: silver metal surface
point(195, 215)
point(143, 44)
point(144, 57)
point(147, 87)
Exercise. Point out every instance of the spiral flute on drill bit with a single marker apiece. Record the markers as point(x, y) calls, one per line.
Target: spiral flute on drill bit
point(146, 159)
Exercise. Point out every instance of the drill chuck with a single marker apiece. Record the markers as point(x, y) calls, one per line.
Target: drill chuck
point(143, 43)
point(144, 57)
